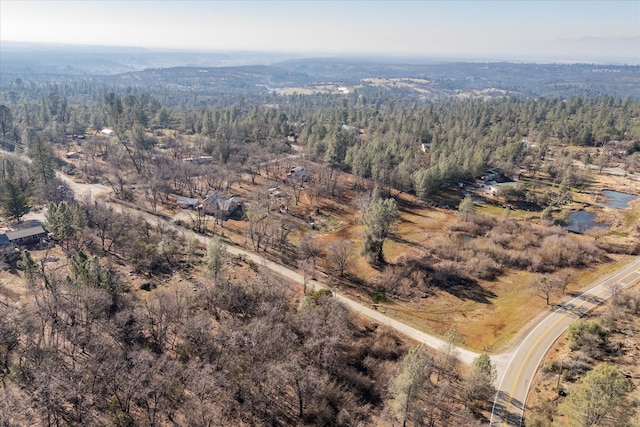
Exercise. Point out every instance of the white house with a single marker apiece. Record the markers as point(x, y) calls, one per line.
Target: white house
point(107, 131)
point(494, 187)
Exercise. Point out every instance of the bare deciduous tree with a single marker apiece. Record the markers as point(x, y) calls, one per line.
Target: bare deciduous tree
point(339, 255)
point(545, 286)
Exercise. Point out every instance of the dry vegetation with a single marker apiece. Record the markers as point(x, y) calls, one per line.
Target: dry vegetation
point(443, 269)
point(91, 342)
point(610, 334)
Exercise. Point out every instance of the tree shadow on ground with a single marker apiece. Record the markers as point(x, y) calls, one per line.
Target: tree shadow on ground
point(412, 278)
point(500, 415)
point(462, 287)
point(401, 240)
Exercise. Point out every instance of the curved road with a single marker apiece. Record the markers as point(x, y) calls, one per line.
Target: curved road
point(522, 362)
point(516, 368)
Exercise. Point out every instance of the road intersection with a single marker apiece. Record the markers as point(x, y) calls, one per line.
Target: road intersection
point(516, 367)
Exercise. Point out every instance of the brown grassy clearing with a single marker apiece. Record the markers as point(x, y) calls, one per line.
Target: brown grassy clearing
point(484, 326)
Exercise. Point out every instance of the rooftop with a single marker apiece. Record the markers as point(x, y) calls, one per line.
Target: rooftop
point(25, 232)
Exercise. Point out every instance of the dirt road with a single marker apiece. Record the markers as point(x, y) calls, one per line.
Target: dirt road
point(516, 367)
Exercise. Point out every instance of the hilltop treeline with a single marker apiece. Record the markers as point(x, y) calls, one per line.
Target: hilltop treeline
point(380, 140)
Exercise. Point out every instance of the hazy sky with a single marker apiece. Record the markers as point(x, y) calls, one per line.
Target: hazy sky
point(515, 29)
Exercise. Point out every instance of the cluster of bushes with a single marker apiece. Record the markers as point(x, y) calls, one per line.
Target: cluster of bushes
point(514, 244)
point(482, 249)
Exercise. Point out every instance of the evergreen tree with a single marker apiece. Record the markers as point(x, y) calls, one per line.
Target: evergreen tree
point(479, 381)
point(15, 202)
point(466, 207)
point(65, 220)
point(379, 219)
point(6, 121)
point(29, 266)
point(598, 398)
point(42, 163)
point(408, 387)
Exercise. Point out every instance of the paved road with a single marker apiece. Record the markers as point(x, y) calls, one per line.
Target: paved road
point(464, 355)
point(516, 368)
point(524, 360)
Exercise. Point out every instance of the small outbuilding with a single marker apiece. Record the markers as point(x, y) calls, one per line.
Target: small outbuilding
point(187, 203)
point(297, 172)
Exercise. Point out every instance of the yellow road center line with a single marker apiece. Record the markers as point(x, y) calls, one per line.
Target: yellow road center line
point(535, 344)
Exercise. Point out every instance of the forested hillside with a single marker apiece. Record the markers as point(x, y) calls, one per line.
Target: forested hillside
point(131, 312)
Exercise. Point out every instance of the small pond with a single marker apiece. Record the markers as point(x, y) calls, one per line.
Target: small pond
point(617, 200)
point(579, 221)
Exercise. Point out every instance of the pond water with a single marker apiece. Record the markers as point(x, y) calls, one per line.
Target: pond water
point(579, 221)
point(617, 200)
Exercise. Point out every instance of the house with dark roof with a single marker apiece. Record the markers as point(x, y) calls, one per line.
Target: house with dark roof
point(219, 206)
point(27, 236)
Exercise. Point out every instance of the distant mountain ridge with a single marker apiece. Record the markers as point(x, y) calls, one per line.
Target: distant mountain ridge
point(425, 81)
point(210, 73)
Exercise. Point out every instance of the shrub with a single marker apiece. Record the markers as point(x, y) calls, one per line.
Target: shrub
point(378, 296)
point(561, 251)
point(482, 267)
point(587, 335)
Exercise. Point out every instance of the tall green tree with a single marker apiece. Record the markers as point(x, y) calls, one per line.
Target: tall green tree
point(408, 387)
point(29, 266)
point(15, 202)
point(86, 270)
point(599, 398)
point(42, 162)
point(6, 121)
point(378, 219)
point(478, 385)
point(337, 148)
point(65, 220)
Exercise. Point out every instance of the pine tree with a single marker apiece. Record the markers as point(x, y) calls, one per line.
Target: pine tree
point(15, 203)
point(42, 162)
point(65, 220)
point(378, 219)
point(597, 399)
point(479, 381)
point(408, 387)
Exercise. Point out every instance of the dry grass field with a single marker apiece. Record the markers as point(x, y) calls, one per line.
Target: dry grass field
point(501, 307)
